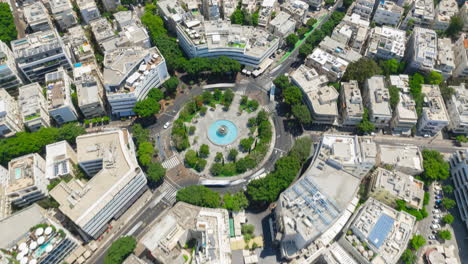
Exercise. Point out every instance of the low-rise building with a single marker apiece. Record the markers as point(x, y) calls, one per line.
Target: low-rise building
point(60, 160)
point(10, 78)
point(460, 52)
point(89, 10)
point(79, 45)
point(264, 16)
point(325, 63)
point(378, 233)
point(388, 13)
point(444, 11)
point(457, 107)
point(352, 107)
point(62, 11)
point(102, 30)
point(405, 116)
point(40, 53)
point(36, 17)
point(185, 222)
point(111, 5)
point(117, 182)
point(445, 57)
point(297, 9)
point(312, 211)
point(321, 99)
point(59, 99)
point(421, 51)
point(364, 8)
point(336, 254)
point(89, 90)
point(27, 181)
point(434, 115)
point(352, 31)
point(459, 172)
point(33, 107)
point(339, 50)
point(422, 14)
point(282, 25)
point(407, 159)
point(377, 98)
point(386, 43)
point(390, 186)
point(440, 254)
point(10, 117)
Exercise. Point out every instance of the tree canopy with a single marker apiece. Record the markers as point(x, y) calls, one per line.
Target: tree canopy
point(199, 195)
point(448, 203)
point(301, 113)
point(366, 126)
point(445, 234)
point(448, 218)
point(147, 107)
point(291, 40)
point(434, 78)
point(362, 70)
point(435, 167)
point(155, 172)
point(417, 241)
point(171, 85)
point(120, 250)
point(408, 257)
point(455, 26)
point(235, 202)
point(8, 31)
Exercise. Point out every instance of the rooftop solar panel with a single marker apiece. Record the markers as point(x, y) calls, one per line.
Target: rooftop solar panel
point(380, 231)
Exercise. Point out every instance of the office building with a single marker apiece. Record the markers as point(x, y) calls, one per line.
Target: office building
point(444, 11)
point(364, 8)
point(27, 181)
point(117, 182)
point(184, 222)
point(59, 99)
point(386, 43)
point(434, 114)
point(377, 98)
point(384, 230)
point(421, 51)
point(325, 63)
point(60, 160)
point(422, 14)
point(33, 236)
point(89, 10)
point(390, 186)
point(407, 159)
point(460, 53)
point(339, 50)
point(33, 107)
point(457, 107)
point(445, 57)
point(36, 17)
point(313, 210)
point(89, 90)
point(388, 13)
point(320, 98)
point(40, 53)
point(352, 107)
point(282, 25)
point(404, 114)
point(79, 45)
point(10, 78)
point(62, 11)
point(129, 74)
point(459, 172)
point(10, 116)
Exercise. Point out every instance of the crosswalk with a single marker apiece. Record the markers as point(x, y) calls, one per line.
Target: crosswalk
point(241, 90)
point(270, 108)
point(168, 191)
point(171, 162)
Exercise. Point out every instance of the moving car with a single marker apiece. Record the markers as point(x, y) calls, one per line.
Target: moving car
point(167, 125)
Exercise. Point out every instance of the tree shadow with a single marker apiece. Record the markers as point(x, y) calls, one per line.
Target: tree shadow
point(293, 127)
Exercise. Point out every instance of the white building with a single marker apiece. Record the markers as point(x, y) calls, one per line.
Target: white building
point(59, 99)
point(9, 75)
point(321, 99)
point(422, 14)
point(132, 34)
point(129, 74)
point(421, 52)
point(297, 9)
point(5, 206)
point(364, 8)
point(325, 63)
point(445, 57)
point(444, 11)
point(40, 53)
point(464, 15)
point(117, 182)
point(407, 159)
point(404, 115)
point(90, 91)
point(27, 182)
point(339, 49)
point(36, 17)
point(388, 13)
point(352, 31)
point(282, 25)
point(386, 43)
point(102, 30)
point(434, 114)
point(111, 5)
point(377, 100)
point(89, 10)
point(457, 107)
point(460, 52)
point(60, 160)
point(352, 107)
point(79, 45)
point(459, 172)
point(33, 107)
point(62, 11)
point(10, 117)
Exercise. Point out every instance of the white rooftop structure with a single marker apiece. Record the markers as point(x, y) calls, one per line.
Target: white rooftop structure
point(58, 95)
point(445, 57)
point(444, 11)
point(102, 30)
point(33, 107)
point(328, 64)
point(422, 49)
point(407, 159)
point(388, 13)
point(351, 103)
point(282, 25)
point(457, 107)
point(339, 49)
point(378, 101)
point(63, 13)
point(10, 116)
point(434, 114)
point(422, 14)
point(89, 90)
point(89, 10)
point(405, 116)
point(60, 159)
point(386, 43)
point(37, 17)
point(79, 45)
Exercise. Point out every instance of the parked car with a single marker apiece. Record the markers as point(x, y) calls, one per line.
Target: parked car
point(437, 216)
point(438, 196)
point(432, 237)
point(435, 221)
point(435, 211)
point(435, 226)
point(167, 125)
point(436, 206)
point(438, 201)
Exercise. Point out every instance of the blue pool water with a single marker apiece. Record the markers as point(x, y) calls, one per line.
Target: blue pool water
point(222, 139)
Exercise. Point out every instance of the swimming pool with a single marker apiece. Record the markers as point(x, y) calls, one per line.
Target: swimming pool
point(222, 132)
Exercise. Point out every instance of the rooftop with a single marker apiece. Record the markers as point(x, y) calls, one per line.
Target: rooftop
point(283, 22)
point(401, 81)
point(88, 86)
point(434, 106)
point(58, 156)
point(401, 156)
point(425, 46)
point(353, 99)
point(390, 7)
point(328, 62)
point(445, 53)
point(339, 49)
point(379, 96)
point(446, 9)
point(389, 40)
point(31, 100)
point(58, 6)
point(35, 44)
point(79, 44)
point(102, 29)
point(86, 4)
point(424, 9)
point(35, 13)
point(460, 101)
point(308, 79)
point(57, 85)
point(22, 172)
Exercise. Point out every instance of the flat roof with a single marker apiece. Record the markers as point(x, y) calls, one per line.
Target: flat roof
point(381, 230)
point(15, 226)
point(22, 172)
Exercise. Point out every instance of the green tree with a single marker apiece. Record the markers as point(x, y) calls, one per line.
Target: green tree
point(8, 31)
point(461, 139)
point(366, 126)
point(446, 91)
point(204, 151)
point(237, 17)
point(199, 195)
point(146, 107)
point(448, 218)
point(233, 154)
point(417, 241)
point(391, 66)
point(219, 157)
point(155, 172)
point(235, 202)
point(228, 97)
point(207, 97)
point(291, 40)
point(171, 85)
point(120, 250)
point(145, 153)
point(455, 26)
point(434, 78)
point(191, 158)
point(448, 203)
point(435, 167)
point(292, 95)
point(394, 96)
point(362, 70)
point(246, 143)
point(255, 18)
point(311, 22)
point(281, 82)
point(448, 189)
point(408, 257)
point(217, 95)
point(445, 234)
point(301, 113)
point(156, 94)
point(302, 148)
point(192, 130)
point(253, 105)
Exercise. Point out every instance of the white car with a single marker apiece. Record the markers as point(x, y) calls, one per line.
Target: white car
point(435, 226)
point(167, 125)
point(435, 211)
point(436, 221)
point(437, 216)
point(432, 237)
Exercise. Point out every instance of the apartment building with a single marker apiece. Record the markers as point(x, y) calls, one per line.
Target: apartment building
point(60, 160)
point(90, 91)
point(459, 172)
point(79, 45)
point(111, 5)
point(89, 10)
point(5, 206)
point(133, 35)
point(325, 63)
point(444, 11)
point(404, 115)
point(36, 17)
point(407, 159)
point(352, 31)
point(457, 107)
point(33, 107)
point(129, 74)
point(10, 78)
point(102, 30)
point(388, 13)
point(59, 99)
point(339, 50)
point(282, 25)
point(352, 107)
point(364, 8)
point(117, 182)
point(10, 117)
point(434, 114)
point(315, 4)
point(297, 9)
point(386, 43)
point(445, 57)
point(377, 98)
point(321, 99)
point(460, 53)
point(464, 15)
point(62, 11)
point(40, 53)
point(27, 181)
point(421, 51)
point(422, 14)
point(264, 16)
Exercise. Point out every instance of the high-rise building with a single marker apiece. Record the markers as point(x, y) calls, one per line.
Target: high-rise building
point(10, 116)
point(434, 114)
point(10, 78)
point(459, 172)
point(58, 85)
point(33, 107)
point(89, 90)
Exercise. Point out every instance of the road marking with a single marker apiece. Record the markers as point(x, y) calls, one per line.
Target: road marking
point(280, 150)
point(169, 192)
point(165, 113)
point(171, 162)
point(134, 228)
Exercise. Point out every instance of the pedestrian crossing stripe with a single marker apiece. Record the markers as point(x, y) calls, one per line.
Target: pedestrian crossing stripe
point(169, 191)
point(171, 163)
